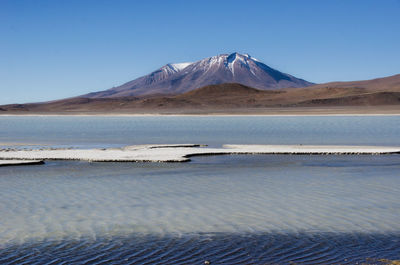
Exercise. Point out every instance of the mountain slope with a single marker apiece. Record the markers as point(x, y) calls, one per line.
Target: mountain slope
point(229, 98)
point(175, 79)
point(390, 83)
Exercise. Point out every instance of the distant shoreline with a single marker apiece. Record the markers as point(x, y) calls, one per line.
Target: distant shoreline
point(196, 115)
point(338, 111)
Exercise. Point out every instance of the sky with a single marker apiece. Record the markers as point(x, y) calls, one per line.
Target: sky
point(57, 49)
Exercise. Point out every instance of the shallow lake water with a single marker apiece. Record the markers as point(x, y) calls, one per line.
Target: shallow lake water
point(234, 209)
point(212, 130)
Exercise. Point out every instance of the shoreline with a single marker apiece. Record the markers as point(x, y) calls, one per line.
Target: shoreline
point(333, 111)
point(200, 115)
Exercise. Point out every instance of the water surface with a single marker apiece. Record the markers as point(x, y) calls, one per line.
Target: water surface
point(233, 209)
point(211, 130)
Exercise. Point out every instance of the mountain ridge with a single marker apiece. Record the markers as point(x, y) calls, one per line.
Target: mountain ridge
point(358, 97)
point(178, 78)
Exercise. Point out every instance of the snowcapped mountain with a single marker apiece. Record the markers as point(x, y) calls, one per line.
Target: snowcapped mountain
point(183, 77)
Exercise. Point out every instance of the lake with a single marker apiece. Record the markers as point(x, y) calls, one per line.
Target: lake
point(234, 209)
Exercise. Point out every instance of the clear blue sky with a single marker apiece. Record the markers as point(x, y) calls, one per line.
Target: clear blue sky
point(56, 49)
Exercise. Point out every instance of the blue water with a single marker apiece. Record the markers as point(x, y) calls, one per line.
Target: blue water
point(215, 131)
point(234, 209)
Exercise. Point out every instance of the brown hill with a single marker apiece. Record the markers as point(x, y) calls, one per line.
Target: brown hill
point(390, 83)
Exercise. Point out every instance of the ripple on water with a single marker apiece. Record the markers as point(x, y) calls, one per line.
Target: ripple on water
point(267, 209)
point(218, 248)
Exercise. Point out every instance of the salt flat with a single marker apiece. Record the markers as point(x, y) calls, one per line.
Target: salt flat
point(183, 152)
point(19, 162)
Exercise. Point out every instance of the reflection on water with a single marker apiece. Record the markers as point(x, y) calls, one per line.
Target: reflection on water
point(232, 209)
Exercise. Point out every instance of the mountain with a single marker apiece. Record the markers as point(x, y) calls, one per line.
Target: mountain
point(371, 96)
point(380, 95)
point(179, 78)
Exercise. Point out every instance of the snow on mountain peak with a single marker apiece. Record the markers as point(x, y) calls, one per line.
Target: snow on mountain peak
point(228, 61)
point(180, 66)
point(172, 68)
point(244, 59)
